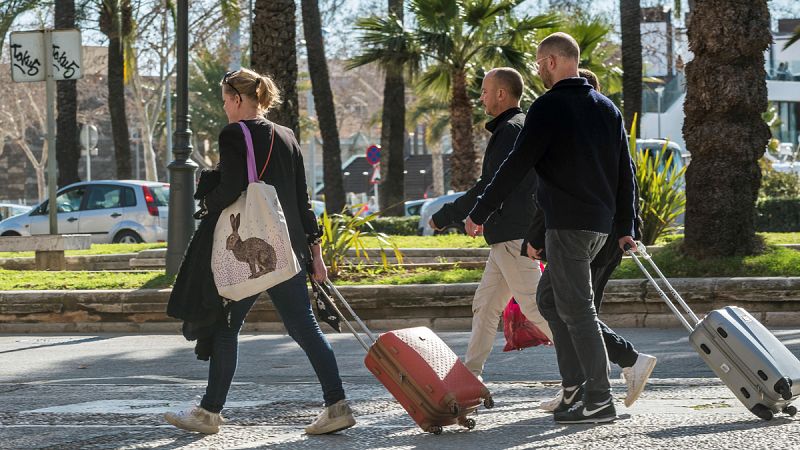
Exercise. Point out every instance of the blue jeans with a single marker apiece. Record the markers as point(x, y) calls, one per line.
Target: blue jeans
point(294, 306)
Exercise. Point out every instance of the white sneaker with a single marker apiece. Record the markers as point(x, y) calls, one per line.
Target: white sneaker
point(636, 376)
point(552, 404)
point(336, 417)
point(196, 419)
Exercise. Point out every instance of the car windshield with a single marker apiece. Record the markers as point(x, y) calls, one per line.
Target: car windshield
point(160, 194)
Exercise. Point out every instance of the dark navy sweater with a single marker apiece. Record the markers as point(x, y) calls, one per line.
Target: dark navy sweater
point(575, 139)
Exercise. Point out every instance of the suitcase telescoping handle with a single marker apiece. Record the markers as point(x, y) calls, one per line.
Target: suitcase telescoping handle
point(330, 287)
point(642, 250)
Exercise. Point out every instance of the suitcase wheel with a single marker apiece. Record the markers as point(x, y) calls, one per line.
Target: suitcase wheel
point(762, 411)
point(488, 402)
point(468, 423)
point(435, 429)
point(784, 388)
point(790, 410)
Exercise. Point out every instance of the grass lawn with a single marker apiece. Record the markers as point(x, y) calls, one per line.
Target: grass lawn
point(444, 241)
point(96, 249)
point(775, 262)
point(12, 280)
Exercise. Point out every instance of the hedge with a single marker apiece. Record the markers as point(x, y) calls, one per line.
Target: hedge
point(778, 214)
point(397, 226)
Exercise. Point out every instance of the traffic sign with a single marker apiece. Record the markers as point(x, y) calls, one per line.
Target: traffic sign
point(374, 154)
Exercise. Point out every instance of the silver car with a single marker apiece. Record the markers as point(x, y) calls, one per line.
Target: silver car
point(431, 207)
point(111, 211)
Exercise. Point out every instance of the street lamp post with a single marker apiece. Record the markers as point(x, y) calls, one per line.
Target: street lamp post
point(659, 90)
point(181, 169)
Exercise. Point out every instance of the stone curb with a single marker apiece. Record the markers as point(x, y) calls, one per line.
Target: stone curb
point(627, 303)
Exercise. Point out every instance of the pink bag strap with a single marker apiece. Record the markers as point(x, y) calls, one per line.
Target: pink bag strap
point(252, 176)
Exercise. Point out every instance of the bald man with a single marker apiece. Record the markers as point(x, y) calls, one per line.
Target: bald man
point(507, 273)
point(575, 139)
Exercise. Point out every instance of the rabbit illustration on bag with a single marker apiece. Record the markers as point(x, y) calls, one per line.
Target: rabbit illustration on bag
point(254, 251)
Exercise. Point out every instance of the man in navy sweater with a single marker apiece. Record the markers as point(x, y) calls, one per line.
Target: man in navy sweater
point(575, 139)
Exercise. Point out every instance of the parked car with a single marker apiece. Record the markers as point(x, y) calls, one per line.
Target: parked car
point(318, 207)
point(432, 207)
point(12, 209)
point(111, 211)
point(413, 207)
point(679, 157)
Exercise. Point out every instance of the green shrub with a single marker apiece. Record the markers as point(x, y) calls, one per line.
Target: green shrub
point(341, 232)
point(397, 226)
point(662, 198)
point(778, 214)
point(776, 184)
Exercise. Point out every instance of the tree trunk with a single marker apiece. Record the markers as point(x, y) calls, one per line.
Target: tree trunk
point(463, 161)
point(274, 53)
point(116, 23)
point(323, 100)
point(630, 25)
point(393, 132)
point(68, 151)
point(726, 93)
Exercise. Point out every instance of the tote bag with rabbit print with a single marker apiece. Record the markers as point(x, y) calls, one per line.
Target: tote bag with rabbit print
point(252, 251)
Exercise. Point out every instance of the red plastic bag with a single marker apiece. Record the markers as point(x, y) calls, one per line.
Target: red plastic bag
point(519, 331)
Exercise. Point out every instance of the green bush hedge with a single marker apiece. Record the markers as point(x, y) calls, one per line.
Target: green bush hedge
point(778, 214)
point(397, 226)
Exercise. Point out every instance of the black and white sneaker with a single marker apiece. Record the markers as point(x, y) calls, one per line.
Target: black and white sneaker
point(582, 412)
point(569, 397)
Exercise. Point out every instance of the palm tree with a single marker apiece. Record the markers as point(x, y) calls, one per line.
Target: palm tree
point(116, 22)
point(274, 53)
point(453, 38)
point(69, 151)
point(323, 101)
point(393, 132)
point(630, 26)
point(726, 94)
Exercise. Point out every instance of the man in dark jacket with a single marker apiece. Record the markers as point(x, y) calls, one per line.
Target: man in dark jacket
point(507, 272)
point(575, 139)
point(636, 366)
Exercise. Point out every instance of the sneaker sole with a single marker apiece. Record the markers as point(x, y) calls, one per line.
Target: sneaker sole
point(635, 395)
point(588, 420)
point(178, 424)
point(333, 428)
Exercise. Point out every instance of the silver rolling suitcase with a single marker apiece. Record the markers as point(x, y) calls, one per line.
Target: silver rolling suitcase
point(762, 373)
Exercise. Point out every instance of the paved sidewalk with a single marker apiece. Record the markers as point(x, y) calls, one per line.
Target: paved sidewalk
point(109, 391)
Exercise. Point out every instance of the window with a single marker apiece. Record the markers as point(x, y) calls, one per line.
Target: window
point(104, 197)
point(69, 201)
point(128, 197)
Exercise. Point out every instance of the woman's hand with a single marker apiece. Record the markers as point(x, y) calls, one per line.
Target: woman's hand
point(318, 270)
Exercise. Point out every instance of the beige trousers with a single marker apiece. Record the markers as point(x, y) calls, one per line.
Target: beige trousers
point(507, 274)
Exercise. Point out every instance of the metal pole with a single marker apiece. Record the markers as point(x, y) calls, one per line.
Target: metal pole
point(659, 115)
point(51, 132)
point(88, 164)
point(181, 169)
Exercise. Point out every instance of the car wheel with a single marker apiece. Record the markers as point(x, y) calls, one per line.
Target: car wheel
point(11, 233)
point(127, 237)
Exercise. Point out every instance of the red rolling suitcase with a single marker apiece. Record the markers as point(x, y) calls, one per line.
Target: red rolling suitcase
point(420, 371)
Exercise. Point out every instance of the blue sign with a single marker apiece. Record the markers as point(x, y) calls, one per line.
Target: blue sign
point(374, 154)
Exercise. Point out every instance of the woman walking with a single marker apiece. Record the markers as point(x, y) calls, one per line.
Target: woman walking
point(246, 97)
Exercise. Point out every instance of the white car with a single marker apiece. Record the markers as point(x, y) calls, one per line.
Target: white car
point(111, 211)
point(431, 207)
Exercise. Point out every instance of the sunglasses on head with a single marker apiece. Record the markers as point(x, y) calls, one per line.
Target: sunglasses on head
point(225, 80)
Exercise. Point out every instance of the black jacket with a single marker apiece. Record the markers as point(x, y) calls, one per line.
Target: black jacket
point(513, 218)
point(285, 172)
point(575, 139)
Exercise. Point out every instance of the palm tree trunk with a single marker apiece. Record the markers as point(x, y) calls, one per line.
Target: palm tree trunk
point(630, 25)
point(115, 22)
point(463, 161)
point(69, 150)
point(726, 93)
point(393, 131)
point(323, 100)
point(274, 53)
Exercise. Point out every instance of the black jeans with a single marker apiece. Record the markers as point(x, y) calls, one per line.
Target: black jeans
point(566, 301)
point(294, 306)
point(620, 351)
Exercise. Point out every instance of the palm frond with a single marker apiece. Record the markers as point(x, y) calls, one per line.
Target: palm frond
point(795, 37)
point(435, 82)
point(436, 15)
